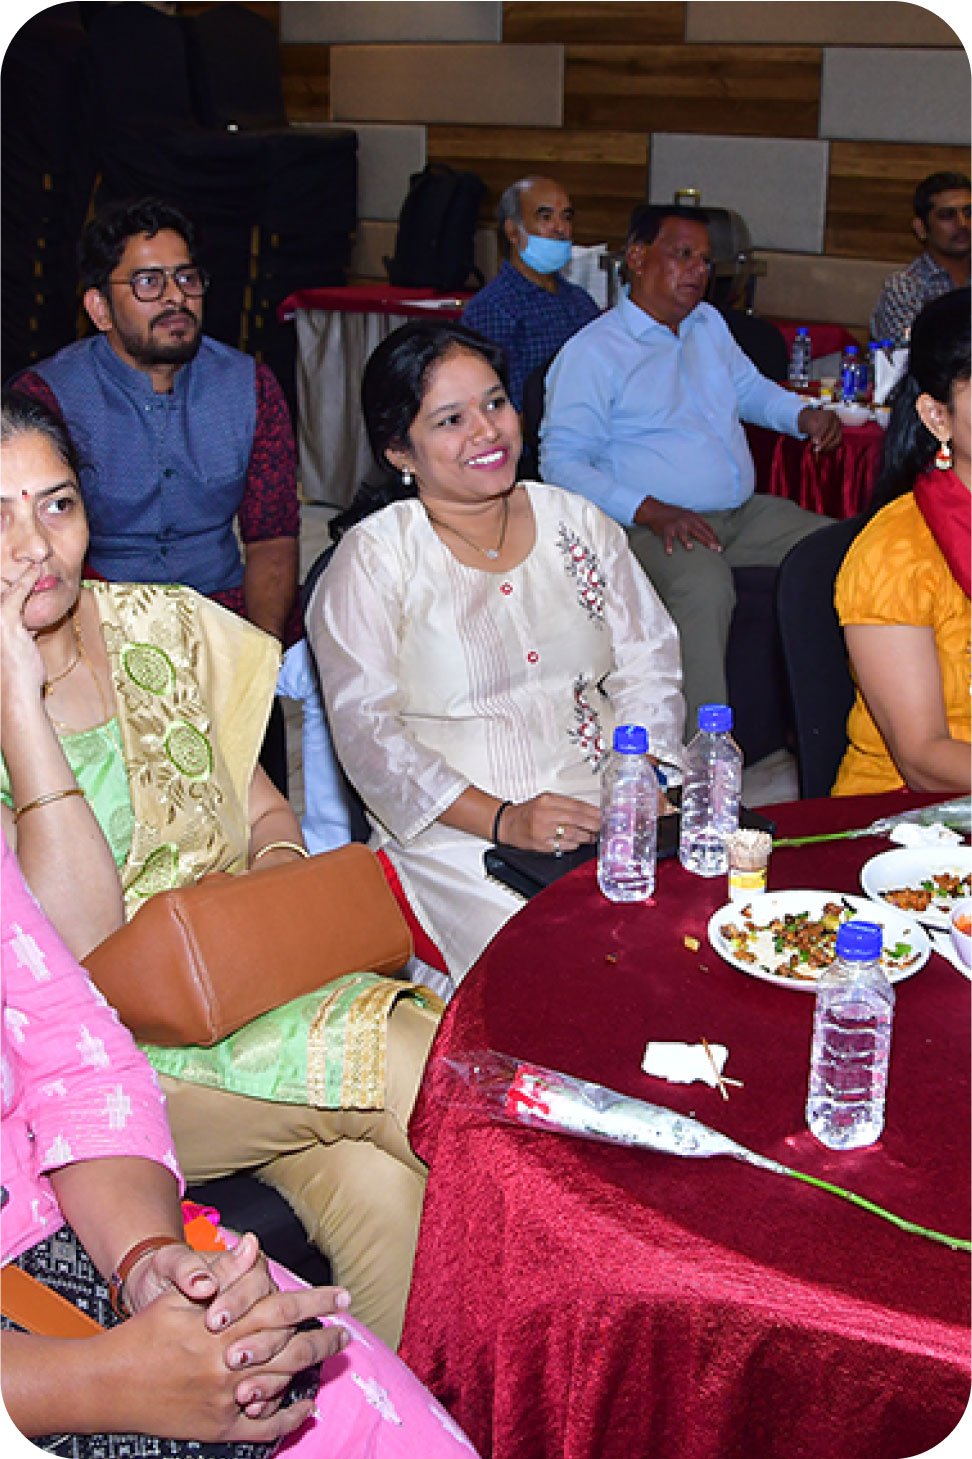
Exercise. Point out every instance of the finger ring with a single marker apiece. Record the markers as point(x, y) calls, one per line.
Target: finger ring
point(559, 833)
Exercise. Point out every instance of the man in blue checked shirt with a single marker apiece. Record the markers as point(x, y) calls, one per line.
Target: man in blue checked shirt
point(528, 308)
point(643, 416)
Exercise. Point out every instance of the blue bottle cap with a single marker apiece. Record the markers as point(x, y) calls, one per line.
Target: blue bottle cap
point(803, 330)
point(715, 719)
point(631, 739)
point(859, 942)
point(850, 349)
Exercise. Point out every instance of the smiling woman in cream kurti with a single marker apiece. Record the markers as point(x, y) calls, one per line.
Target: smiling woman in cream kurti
point(450, 672)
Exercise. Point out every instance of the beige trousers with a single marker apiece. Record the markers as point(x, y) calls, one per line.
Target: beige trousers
point(350, 1175)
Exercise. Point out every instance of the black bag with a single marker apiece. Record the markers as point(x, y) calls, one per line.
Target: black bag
point(436, 229)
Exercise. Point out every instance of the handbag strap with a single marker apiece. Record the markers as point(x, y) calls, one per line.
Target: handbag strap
point(34, 1307)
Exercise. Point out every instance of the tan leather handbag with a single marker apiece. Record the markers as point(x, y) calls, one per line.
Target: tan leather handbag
point(196, 964)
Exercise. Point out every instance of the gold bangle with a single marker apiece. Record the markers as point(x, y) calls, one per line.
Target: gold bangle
point(32, 805)
point(280, 846)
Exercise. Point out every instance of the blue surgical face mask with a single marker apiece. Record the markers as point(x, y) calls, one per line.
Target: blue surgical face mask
point(545, 255)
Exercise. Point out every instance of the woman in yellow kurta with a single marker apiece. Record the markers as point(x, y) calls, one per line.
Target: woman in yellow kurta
point(902, 593)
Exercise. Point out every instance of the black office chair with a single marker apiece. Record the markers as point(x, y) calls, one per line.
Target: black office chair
point(818, 674)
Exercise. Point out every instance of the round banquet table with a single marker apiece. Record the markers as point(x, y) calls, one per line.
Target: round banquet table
point(575, 1300)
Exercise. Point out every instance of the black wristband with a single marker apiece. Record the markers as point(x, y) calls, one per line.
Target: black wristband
point(496, 820)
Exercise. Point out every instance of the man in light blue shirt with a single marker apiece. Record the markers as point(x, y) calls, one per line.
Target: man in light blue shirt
point(643, 416)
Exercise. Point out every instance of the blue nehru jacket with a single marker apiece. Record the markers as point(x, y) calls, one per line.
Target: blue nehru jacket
point(162, 475)
point(529, 322)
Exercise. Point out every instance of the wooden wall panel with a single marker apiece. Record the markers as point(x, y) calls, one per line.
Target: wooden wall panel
point(599, 22)
point(869, 195)
point(766, 91)
point(604, 172)
point(306, 75)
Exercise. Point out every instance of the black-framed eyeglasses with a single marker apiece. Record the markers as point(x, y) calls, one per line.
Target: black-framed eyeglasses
point(148, 284)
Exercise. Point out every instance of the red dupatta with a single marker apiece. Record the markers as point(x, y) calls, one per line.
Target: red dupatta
point(946, 506)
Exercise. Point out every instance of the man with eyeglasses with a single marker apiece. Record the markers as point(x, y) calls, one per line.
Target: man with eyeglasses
point(643, 416)
point(942, 215)
point(184, 442)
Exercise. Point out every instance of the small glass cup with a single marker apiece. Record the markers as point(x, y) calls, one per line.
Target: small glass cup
point(749, 854)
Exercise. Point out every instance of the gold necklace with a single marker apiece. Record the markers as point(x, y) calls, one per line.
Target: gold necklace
point(49, 683)
point(491, 552)
point(82, 657)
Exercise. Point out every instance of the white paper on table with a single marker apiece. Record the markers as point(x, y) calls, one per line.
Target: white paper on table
point(685, 1063)
point(584, 268)
point(908, 834)
point(887, 373)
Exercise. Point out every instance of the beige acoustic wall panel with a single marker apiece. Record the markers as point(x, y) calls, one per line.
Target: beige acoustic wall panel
point(779, 188)
point(373, 21)
point(387, 157)
point(829, 290)
point(485, 86)
point(887, 95)
point(793, 23)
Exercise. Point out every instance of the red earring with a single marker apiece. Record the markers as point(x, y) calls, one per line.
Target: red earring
point(943, 457)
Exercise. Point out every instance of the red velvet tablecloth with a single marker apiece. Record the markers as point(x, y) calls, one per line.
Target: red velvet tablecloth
point(375, 299)
point(573, 1300)
point(825, 339)
point(837, 483)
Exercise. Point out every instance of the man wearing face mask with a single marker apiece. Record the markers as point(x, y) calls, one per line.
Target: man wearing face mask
point(528, 308)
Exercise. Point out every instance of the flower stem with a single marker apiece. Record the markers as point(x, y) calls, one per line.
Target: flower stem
point(811, 840)
point(955, 1242)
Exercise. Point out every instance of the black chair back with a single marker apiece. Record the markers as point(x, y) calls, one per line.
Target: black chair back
point(531, 414)
point(234, 68)
point(761, 340)
point(820, 683)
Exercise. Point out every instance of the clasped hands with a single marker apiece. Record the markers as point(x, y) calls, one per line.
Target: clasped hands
point(244, 1338)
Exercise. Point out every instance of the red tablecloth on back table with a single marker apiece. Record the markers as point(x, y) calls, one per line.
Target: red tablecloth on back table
point(837, 483)
point(578, 1301)
point(337, 329)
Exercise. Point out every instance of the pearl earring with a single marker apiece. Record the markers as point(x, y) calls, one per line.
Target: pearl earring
point(407, 477)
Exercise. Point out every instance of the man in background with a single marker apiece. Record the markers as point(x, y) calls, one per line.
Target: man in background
point(186, 444)
point(942, 211)
point(643, 416)
point(528, 308)
point(182, 439)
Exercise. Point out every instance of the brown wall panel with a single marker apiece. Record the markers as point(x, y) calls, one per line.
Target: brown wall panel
point(604, 172)
point(767, 91)
point(599, 22)
point(869, 195)
point(305, 71)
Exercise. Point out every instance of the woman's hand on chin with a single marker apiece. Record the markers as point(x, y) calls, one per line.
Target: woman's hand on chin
point(23, 667)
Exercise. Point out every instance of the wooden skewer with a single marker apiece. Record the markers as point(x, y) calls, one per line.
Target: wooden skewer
point(718, 1077)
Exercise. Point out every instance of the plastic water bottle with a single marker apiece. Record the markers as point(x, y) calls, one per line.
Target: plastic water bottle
point(711, 791)
point(629, 819)
point(799, 373)
point(850, 364)
point(851, 1042)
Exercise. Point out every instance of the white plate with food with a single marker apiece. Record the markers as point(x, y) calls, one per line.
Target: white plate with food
point(787, 938)
point(924, 882)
